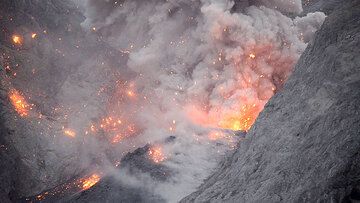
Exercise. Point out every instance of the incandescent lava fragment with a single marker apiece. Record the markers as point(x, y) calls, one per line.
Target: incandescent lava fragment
point(17, 39)
point(19, 103)
point(90, 181)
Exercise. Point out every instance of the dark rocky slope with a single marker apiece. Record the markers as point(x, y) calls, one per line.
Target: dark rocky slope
point(31, 158)
point(110, 188)
point(326, 6)
point(305, 145)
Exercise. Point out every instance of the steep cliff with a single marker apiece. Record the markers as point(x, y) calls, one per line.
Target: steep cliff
point(305, 145)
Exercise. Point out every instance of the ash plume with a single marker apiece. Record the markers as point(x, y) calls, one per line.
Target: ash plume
point(201, 66)
point(197, 70)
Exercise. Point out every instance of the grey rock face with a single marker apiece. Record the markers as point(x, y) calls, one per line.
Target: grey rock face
point(304, 146)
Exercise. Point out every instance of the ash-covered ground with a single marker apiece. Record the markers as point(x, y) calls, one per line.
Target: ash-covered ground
point(142, 101)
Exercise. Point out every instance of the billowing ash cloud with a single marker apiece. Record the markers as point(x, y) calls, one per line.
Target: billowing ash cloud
point(192, 69)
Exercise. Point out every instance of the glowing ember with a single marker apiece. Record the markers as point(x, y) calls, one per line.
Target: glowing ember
point(17, 39)
point(33, 35)
point(90, 181)
point(19, 103)
point(252, 56)
point(69, 133)
point(156, 154)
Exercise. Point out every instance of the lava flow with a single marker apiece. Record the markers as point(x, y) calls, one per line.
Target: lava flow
point(90, 181)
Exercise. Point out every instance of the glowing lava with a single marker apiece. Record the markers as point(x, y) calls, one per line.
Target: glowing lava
point(87, 183)
point(17, 39)
point(19, 103)
point(242, 120)
point(156, 154)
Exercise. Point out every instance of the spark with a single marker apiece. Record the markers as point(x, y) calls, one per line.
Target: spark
point(33, 35)
point(252, 56)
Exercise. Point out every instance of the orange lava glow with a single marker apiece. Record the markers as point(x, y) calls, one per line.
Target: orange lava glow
point(156, 154)
point(237, 120)
point(69, 133)
point(17, 39)
point(19, 103)
point(242, 120)
point(87, 183)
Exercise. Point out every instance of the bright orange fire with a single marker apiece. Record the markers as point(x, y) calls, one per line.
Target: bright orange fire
point(87, 183)
point(156, 154)
point(19, 103)
point(237, 120)
point(242, 120)
point(17, 39)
